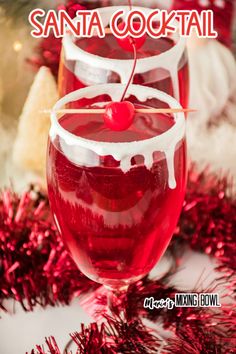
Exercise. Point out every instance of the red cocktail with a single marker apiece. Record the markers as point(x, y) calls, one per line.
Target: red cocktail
point(116, 196)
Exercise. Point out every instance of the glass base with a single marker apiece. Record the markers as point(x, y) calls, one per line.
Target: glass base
point(95, 304)
point(100, 302)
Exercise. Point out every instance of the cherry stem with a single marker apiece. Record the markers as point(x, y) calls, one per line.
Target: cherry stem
point(133, 70)
point(130, 4)
point(132, 41)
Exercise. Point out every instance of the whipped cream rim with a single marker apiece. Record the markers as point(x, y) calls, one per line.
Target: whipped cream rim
point(79, 53)
point(96, 90)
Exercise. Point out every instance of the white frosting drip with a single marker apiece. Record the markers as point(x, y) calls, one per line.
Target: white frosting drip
point(168, 60)
point(85, 152)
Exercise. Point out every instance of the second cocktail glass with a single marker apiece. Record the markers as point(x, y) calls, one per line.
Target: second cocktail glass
point(162, 63)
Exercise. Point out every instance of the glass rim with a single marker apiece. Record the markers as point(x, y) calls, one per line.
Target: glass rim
point(148, 63)
point(177, 130)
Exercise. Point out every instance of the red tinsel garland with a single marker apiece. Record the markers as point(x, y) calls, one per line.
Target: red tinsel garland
point(208, 220)
point(113, 337)
point(34, 266)
point(36, 269)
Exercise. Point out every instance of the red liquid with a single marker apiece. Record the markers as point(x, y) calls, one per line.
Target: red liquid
point(75, 75)
point(116, 225)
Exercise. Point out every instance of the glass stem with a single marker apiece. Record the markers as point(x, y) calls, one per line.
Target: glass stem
point(116, 301)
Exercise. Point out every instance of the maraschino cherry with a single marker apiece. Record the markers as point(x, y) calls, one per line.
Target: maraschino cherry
point(119, 115)
point(126, 42)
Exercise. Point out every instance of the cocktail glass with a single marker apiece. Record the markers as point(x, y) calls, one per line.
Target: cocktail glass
point(116, 196)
